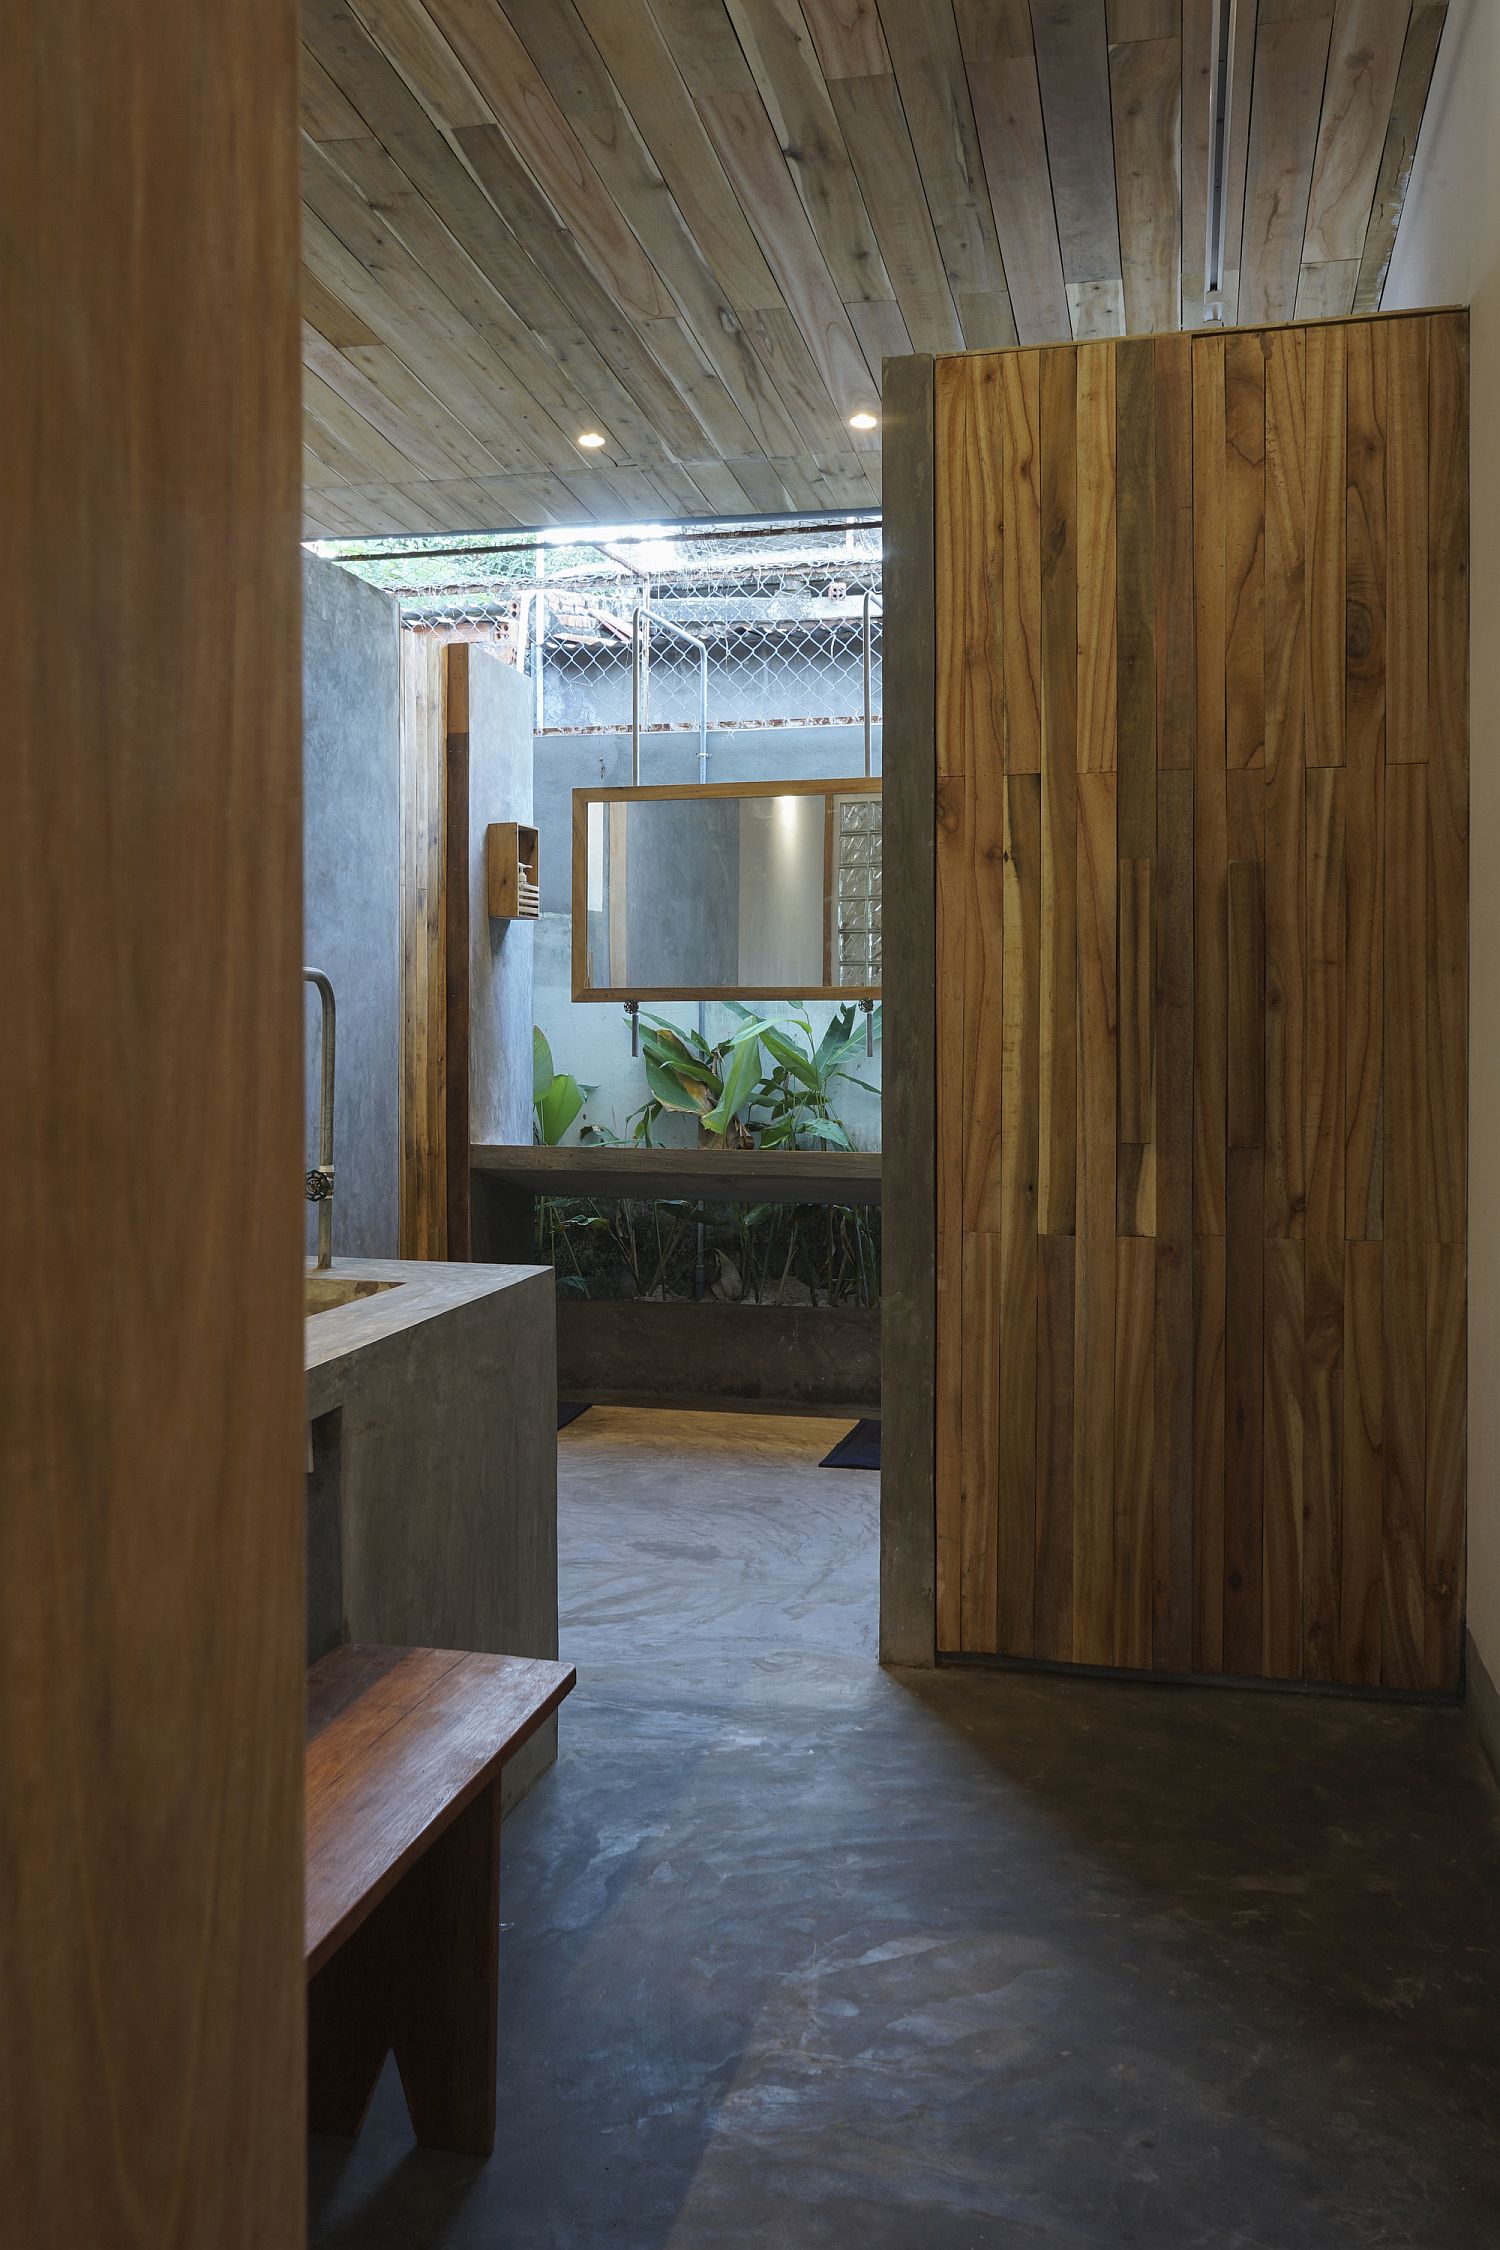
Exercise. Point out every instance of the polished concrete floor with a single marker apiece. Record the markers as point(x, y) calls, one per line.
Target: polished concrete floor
point(803, 1954)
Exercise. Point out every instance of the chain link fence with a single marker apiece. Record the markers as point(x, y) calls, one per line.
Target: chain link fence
point(698, 629)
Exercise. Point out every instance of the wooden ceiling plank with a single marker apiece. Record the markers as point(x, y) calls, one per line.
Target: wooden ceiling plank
point(391, 112)
point(1413, 79)
point(608, 405)
point(342, 466)
point(473, 396)
point(682, 494)
point(703, 47)
point(1096, 310)
point(674, 344)
point(533, 502)
point(564, 295)
point(703, 307)
point(774, 38)
point(365, 453)
point(463, 504)
point(1072, 61)
point(1008, 118)
point(1145, 19)
point(393, 200)
point(782, 349)
point(409, 437)
point(331, 318)
point(1368, 36)
point(327, 115)
point(1197, 57)
point(848, 38)
point(874, 127)
point(493, 54)
point(411, 42)
point(1146, 91)
point(316, 474)
point(759, 479)
point(402, 507)
point(419, 319)
point(929, 69)
point(642, 499)
point(988, 323)
point(387, 373)
point(882, 334)
point(720, 487)
point(339, 464)
point(340, 514)
point(628, 83)
point(1237, 154)
point(1291, 58)
point(1326, 291)
point(844, 475)
point(748, 150)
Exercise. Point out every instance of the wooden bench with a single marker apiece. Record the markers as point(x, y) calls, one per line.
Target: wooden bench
point(405, 1748)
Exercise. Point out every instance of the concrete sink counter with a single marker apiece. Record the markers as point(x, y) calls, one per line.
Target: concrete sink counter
point(432, 1489)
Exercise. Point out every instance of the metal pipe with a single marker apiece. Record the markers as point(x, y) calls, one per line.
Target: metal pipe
point(320, 1179)
point(635, 695)
point(643, 623)
point(703, 711)
point(869, 730)
point(539, 648)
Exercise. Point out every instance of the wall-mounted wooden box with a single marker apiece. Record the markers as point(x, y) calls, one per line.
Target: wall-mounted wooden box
point(511, 871)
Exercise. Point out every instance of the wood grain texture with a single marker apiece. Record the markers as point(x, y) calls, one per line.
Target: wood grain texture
point(1228, 1359)
point(1094, 1394)
point(399, 1741)
point(152, 1427)
point(1059, 630)
point(424, 949)
point(1019, 1276)
point(701, 225)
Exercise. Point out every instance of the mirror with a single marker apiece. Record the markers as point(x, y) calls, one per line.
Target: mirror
point(766, 890)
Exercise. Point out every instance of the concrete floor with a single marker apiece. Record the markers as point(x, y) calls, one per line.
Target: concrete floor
point(802, 1954)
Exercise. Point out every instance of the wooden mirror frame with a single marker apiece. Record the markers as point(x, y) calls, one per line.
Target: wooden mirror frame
point(853, 785)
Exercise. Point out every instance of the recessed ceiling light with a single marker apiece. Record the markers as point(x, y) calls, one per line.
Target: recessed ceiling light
point(590, 440)
point(863, 422)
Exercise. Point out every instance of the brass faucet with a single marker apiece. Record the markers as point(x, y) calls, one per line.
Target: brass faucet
point(320, 1178)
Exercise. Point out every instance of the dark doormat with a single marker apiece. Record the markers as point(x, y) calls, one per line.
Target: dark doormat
point(859, 1450)
point(567, 1412)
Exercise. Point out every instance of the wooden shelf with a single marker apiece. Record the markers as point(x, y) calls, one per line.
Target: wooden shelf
point(512, 869)
point(699, 1174)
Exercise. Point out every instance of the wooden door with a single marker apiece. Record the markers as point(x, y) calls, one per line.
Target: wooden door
point(152, 1415)
point(1201, 957)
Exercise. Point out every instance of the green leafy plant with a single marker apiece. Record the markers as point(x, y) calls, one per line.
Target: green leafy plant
point(556, 1096)
point(798, 1094)
point(717, 1084)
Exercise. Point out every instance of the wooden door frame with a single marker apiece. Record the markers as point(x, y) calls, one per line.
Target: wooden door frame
point(908, 1558)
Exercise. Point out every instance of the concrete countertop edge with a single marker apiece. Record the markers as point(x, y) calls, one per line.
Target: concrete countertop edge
point(428, 1290)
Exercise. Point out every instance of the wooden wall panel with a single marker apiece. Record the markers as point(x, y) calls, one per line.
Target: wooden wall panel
point(1202, 919)
point(152, 1404)
point(436, 907)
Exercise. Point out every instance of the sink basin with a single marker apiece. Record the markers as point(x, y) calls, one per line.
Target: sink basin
point(325, 1292)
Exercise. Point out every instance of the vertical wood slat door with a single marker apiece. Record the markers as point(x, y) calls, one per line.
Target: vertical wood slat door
point(1202, 931)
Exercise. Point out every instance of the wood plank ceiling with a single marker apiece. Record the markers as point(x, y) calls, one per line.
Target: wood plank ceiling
point(697, 227)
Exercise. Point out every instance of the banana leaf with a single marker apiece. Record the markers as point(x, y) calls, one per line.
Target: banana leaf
point(542, 1069)
point(741, 1081)
point(556, 1107)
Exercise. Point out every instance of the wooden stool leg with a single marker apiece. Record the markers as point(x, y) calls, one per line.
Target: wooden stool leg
point(446, 2000)
point(349, 2024)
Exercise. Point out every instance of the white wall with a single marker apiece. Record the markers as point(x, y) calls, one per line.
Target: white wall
point(1448, 252)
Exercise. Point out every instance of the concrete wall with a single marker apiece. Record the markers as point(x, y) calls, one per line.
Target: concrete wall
point(1448, 252)
point(351, 837)
point(501, 953)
